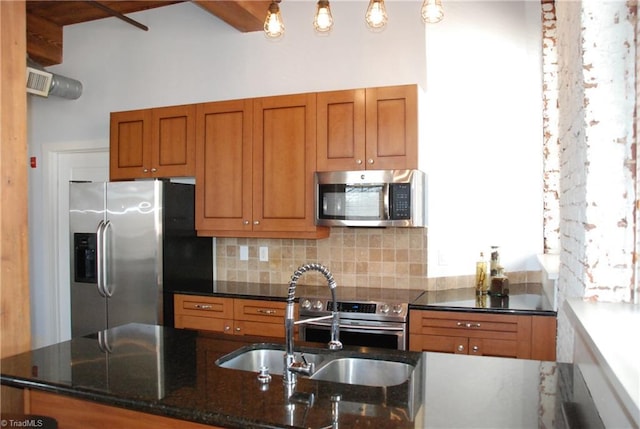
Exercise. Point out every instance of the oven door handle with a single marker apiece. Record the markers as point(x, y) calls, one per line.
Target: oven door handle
point(359, 327)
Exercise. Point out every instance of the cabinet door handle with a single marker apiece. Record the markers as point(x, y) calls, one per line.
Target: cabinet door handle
point(203, 306)
point(246, 222)
point(468, 324)
point(370, 161)
point(264, 311)
point(358, 161)
point(145, 170)
point(227, 328)
point(460, 348)
point(237, 329)
point(256, 222)
point(475, 349)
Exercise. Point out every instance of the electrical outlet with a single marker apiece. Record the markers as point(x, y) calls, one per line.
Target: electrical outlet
point(244, 253)
point(264, 253)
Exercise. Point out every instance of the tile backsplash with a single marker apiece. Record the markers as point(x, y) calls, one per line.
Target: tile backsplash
point(373, 257)
point(389, 257)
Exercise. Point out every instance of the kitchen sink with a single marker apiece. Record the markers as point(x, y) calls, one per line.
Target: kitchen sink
point(254, 357)
point(329, 366)
point(364, 372)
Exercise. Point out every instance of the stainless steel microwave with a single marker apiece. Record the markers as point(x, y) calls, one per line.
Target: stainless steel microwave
point(373, 198)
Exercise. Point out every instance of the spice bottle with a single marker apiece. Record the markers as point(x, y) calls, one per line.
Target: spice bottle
point(482, 280)
point(494, 261)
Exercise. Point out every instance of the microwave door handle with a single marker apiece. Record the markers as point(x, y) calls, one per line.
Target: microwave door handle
point(99, 261)
point(386, 201)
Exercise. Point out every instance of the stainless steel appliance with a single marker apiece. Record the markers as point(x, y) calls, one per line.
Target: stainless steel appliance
point(373, 198)
point(132, 245)
point(380, 324)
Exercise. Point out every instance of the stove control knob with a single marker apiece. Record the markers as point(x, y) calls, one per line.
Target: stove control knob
point(384, 308)
point(397, 308)
point(306, 304)
point(317, 305)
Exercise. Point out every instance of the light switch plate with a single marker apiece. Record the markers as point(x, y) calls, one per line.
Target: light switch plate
point(244, 253)
point(264, 253)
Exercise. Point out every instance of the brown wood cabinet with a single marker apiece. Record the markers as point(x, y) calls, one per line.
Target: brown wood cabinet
point(255, 165)
point(230, 315)
point(483, 334)
point(372, 128)
point(149, 143)
point(71, 413)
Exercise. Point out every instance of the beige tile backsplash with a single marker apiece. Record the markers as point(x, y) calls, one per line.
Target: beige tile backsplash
point(386, 257)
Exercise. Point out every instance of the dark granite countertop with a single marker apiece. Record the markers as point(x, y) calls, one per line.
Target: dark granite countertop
point(278, 292)
point(525, 299)
point(173, 373)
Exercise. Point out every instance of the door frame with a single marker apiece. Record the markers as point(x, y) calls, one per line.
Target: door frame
point(58, 293)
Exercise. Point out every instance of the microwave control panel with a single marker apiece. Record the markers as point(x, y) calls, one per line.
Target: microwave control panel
point(400, 199)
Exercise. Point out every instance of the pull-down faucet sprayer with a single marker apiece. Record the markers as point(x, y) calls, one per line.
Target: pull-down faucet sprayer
point(291, 366)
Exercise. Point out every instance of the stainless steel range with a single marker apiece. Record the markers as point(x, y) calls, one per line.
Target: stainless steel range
point(363, 323)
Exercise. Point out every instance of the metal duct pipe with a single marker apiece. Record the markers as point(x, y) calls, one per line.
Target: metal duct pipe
point(61, 86)
point(65, 87)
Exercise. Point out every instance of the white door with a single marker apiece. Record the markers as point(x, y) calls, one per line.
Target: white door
point(51, 308)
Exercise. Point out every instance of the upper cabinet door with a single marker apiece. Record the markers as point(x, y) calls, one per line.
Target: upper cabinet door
point(173, 148)
point(392, 127)
point(284, 161)
point(130, 144)
point(373, 129)
point(224, 166)
point(341, 130)
point(150, 143)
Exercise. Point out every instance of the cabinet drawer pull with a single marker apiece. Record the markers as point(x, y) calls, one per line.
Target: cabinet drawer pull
point(468, 324)
point(263, 311)
point(203, 306)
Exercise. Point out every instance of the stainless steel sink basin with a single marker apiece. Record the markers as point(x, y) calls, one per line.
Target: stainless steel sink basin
point(364, 372)
point(254, 358)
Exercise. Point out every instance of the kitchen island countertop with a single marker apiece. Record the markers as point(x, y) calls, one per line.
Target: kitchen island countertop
point(173, 373)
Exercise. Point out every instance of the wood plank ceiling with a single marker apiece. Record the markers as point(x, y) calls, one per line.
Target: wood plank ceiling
point(46, 19)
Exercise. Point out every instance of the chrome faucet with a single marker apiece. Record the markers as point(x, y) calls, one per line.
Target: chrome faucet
point(293, 367)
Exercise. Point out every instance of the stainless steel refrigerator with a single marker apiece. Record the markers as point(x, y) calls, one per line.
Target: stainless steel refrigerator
point(132, 245)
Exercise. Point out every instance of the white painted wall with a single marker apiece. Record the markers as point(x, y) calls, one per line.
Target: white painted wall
point(485, 135)
point(480, 68)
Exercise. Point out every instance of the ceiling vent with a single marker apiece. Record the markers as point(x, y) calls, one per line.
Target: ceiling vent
point(43, 83)
point(38, 82)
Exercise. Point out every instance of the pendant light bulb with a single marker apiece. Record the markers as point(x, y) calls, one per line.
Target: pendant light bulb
point(323, 20)
point(376, 15)
point(432, 11)
point(273, 25)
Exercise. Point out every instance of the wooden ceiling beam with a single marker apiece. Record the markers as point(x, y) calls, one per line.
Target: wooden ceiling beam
point(243, 15)
point(44, 41)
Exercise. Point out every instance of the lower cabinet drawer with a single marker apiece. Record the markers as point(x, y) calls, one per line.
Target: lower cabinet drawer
point(204, 323)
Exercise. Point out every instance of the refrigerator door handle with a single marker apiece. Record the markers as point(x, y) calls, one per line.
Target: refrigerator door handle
point(103, 342)
point(105, 259)
point(100, 258)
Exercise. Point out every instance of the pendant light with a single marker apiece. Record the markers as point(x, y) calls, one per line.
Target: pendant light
point(432, 11)
point(323, 20)
point(273, 25)
point(376, 15)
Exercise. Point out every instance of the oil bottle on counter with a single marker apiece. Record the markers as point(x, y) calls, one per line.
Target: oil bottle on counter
point(482, 278)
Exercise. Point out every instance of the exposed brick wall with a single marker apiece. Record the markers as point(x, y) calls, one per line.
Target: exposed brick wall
point(596, 98)
point(551, 145)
